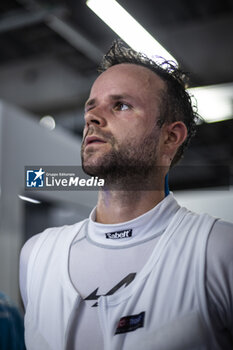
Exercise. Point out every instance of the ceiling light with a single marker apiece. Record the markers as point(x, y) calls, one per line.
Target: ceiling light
point(214, 102)
point(28, 199)
point(48, 122)
point(124, 25)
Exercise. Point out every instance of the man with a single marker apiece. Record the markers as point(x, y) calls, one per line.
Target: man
point(141, 272)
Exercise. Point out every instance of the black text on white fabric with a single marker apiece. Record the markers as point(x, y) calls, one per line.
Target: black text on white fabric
point(119, 234)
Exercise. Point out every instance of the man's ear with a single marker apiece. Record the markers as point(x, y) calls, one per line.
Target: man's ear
point(175, 134)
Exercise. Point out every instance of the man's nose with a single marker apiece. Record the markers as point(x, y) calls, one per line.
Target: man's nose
point(95, 116)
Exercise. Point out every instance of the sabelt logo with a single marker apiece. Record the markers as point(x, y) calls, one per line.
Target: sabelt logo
point(119, 234)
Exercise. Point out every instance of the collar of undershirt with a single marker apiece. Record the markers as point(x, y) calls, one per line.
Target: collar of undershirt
point(145, 227)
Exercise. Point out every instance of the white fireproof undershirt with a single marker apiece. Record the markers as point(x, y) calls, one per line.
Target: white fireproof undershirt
point(98, 262)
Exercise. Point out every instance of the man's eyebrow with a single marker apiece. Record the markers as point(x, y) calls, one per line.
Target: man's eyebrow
point(92, 101)
point(119, 97)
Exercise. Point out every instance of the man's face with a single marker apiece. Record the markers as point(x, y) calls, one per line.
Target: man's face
point(121, 136)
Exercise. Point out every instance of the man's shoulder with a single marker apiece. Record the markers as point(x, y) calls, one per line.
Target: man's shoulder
point(32, 246)
point(219, 277)
point(64, 228)
point(60, 230)
point(52, 233)
point(223, 227)
point(220, 242)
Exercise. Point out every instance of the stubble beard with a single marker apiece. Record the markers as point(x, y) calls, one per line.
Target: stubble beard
point(131, 165)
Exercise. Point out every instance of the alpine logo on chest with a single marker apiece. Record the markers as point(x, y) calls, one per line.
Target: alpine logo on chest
point(119, 234)
point(124, 282)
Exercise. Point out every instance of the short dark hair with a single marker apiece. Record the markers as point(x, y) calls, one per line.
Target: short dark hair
point(176, 102)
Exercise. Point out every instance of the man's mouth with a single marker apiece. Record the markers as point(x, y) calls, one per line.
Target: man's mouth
point(92, 140)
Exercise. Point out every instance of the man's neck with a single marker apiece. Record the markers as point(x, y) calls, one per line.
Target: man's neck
point(114, 207)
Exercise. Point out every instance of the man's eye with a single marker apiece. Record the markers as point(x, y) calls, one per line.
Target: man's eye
point(87, 109)
point(120, 106)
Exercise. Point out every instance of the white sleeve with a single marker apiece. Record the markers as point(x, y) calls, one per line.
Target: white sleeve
point(23, 264)
point(219, 280)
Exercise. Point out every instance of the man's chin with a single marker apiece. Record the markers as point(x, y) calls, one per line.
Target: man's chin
point(91, 170)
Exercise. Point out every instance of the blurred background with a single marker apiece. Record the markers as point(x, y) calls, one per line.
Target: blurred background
point(49, 55)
